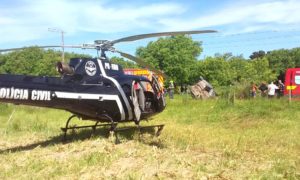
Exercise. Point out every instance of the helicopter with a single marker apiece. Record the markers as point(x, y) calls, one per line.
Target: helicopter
point(93, 88)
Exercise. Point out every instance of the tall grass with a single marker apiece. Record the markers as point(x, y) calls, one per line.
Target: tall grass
point(219, 138)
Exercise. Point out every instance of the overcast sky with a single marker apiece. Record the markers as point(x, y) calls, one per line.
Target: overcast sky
point(244, 26)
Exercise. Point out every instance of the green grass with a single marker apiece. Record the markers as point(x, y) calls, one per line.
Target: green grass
point(247, 139)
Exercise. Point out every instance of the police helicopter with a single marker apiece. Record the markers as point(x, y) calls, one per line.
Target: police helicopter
point(93, 88)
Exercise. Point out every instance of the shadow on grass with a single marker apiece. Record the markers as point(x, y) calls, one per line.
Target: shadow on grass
point(145, 135)
point(128, 133)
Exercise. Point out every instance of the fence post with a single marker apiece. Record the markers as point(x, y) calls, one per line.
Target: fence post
point(290, 95)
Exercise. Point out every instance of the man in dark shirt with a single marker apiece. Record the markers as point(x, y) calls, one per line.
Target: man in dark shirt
point(281, 88)
point(263, 89)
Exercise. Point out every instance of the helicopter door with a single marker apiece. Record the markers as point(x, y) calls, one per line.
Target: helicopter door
point(138, 99)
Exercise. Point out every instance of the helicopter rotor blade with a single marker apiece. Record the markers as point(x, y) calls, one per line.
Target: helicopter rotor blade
point(84, 46)
point(142, 63)
point(143, 36)
point(15, 49)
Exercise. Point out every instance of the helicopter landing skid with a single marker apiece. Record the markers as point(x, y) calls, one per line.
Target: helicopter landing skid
point(159, 127)
point(113, 130)
point(112, 125)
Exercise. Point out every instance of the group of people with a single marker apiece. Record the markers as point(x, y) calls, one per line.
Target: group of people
point(266, 90)
point(271, 90)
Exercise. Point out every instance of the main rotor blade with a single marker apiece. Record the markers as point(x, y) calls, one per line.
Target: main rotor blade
point(143, 36)
point(15, 49)
point(141, 62)
point(84, 46)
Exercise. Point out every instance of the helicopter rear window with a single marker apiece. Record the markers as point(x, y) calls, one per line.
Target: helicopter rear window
point(113, 69)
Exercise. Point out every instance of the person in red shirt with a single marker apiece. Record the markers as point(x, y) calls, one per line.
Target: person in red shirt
point(253, 90)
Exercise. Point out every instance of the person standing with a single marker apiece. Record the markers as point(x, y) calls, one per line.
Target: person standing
point(263, 89)
point(171, 90)
point(271, 90)
point(281, 88)
point(182, 89)
point(253, 90)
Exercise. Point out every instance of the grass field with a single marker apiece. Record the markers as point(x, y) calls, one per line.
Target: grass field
point(215, 139)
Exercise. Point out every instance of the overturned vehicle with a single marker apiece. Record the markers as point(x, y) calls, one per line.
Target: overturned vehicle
point(202, 90)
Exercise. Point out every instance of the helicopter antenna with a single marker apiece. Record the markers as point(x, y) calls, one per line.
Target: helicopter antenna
point(62, 40)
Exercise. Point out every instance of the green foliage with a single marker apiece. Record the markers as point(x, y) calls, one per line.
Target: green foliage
point(257, 54)
point(281, 59)
point(217, 71)
point(261, 70)
point(176, 56)
point(123, 62)
point(33, 61)
point(225, 70)
point(239, 69)
point(2, 62)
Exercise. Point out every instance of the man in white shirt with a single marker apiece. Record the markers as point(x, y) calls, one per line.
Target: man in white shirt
point(271, 90)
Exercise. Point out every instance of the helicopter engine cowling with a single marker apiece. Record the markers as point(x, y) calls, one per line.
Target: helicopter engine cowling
point(64, 68)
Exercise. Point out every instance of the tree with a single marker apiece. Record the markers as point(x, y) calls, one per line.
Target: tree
point(295, 53)
point(261, 71)
point(23, 62)
point(2, 63)
point(258, 54)
point(123, 62)
point(33, 61)
point(217, 71)
point(280, 60)
point(239, 68)
point(224, 70)
point(175, 55)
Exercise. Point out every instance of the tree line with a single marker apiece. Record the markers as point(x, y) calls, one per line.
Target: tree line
point(176, 56)
point(33, 61)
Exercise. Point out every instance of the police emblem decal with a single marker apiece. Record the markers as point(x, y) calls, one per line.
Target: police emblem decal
point(90, 68)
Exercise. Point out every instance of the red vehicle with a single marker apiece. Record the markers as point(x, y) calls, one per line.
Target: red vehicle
point(292, 81)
